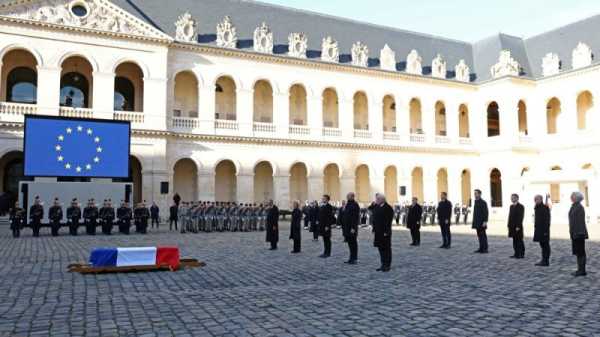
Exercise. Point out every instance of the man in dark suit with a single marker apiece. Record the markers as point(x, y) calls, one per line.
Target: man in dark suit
point(326, 219)
point(480, 220)
point(173, 216)
point(383, 215)
point(350, 215)
point(154, 215)
point(541, 231)
point(444, 213)
point(272, 225)
point(413, 221)
point(515, 226)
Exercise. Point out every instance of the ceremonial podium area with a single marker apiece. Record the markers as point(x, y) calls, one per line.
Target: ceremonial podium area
point(246, 290)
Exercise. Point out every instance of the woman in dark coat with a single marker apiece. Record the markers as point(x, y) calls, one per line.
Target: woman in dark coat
point(296, 227)
point(578, 232)
point(541, 232)
point(272, 225)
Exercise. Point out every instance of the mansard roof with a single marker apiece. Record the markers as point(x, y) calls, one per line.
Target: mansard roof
point(479, 56)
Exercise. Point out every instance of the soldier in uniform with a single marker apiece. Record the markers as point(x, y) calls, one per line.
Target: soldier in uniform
point(36, 213)
point(16, 216)
point(220, 214)
point(55, 215)
point(108, 217)
point(90, 216)
point(141, 215)
point(124, 215)
point(326, 220)
point(480, 219)
point(425, 213)
point(181, 211)
point(456, 211)
point(263, 217)
point(73, 216)
point(444, 214)
point(465, 212)
point(413, 221)
point(432, 213)
point(404, 213)
point(397, 210)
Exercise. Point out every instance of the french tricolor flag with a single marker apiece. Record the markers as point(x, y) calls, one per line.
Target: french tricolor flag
point(135, 256)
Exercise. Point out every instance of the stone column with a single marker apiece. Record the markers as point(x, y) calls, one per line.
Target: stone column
point(347, 184)
point(377, 182)
point(403, 119)
point(346, 117)
point(281, 189)
point(245, 187)
point(452, 123)
point(281, 113)
point(406, 182)
point(376, 118)
point(206, 108)
point(155, 103)
point(509, 119)
point(567, 122)
point(206, 185)
point(245, 110)
point(430, 185)
point(315, 115)
point(315, 186)
point(428, 120)
point(454, 185)
point(48, 93)
point(537, 118)
point(103, 94)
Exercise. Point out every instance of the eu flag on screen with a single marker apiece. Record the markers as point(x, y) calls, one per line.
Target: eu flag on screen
point(59, 147)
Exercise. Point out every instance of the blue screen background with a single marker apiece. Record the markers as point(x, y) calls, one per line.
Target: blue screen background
point(76, 148)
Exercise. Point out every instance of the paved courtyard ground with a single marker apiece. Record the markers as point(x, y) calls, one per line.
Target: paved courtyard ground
point(246, 290)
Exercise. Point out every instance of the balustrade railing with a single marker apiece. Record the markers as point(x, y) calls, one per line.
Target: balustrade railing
point(391, 135)
point(332, 132)
point(465, 141)
point(263, 127)
point(226, 124)
point(417, 138)
point(301, 130)
point(442, 140)
point(362, 133)
point(65, 111)
point(132, 116)
point(14, 112)
point(185, 123)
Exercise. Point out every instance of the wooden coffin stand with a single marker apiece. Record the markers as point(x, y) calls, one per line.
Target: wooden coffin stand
point(86, 268)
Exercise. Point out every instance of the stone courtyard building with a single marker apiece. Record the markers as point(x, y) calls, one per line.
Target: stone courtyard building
point(243, 101)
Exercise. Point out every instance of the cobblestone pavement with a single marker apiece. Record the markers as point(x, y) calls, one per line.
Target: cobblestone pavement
point(246, 290)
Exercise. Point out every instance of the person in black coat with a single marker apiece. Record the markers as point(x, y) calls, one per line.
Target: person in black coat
point(16, 217)
point(541, 232)
point(296, 227)
point(383, 215)
point(124, 215)
point(480, 220)
point(326, 219)
point(306, 214)
point(176, 199)
point(578, 232)
point(314, 219)
point(516, 214)
point(173, 216)
point(350, 216)
point(444, 215)
point(36, 213)
point(154, 215)
point(413, 221)
point(73, 216)
point(272, 225)
point(141, 215)
point(90, 217)
point(55, 214)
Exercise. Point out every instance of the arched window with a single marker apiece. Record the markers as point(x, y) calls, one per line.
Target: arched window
point(440, 119)
point(74, 90)
point(416, 122)
point(496, 188)
point(21, 86)
point(330, 108)
point(463, 121)
point(523, 118)
point(124, 94)
point(553, 111)
point(493, 120)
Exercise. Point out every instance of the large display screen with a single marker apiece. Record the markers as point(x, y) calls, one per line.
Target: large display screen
point(76, 147)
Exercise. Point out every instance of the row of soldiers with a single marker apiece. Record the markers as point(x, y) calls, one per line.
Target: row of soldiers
point(206, 216)
point(429, 215)
point(92, 216)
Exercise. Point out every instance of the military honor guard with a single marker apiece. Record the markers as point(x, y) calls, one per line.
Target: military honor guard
point(36, 214)
point(350, 217)
point(272, 225)
point(480, 220)
point(73, 217)
point(383, 215)
point(107, 214)
point(124, 217)
point(516, 214)
point(578, 232)
point(444, 215)
point(457, 214)
point(465, 212)
point(90, 217)
point(413, 221)
point(16, 217)
point(326, 219)
point(55, 214)
point(141, 215)
point(296, 227)
point(154, 215)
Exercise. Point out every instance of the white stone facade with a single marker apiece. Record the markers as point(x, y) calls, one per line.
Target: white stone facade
point(225, 124)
